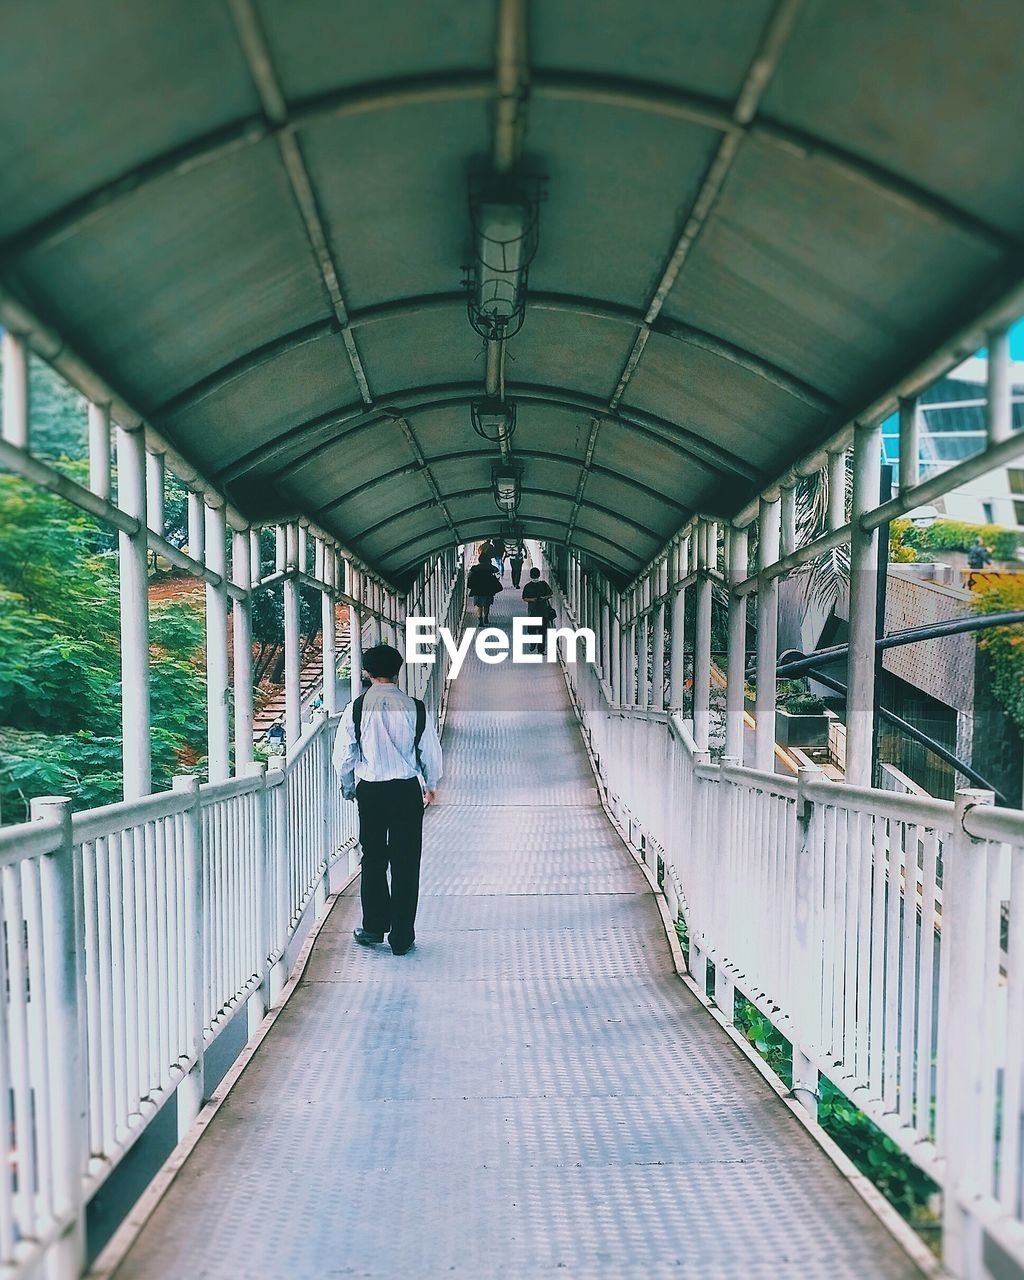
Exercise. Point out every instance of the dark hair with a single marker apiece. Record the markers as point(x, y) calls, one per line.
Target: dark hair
point(534, 573)
point(382, 660)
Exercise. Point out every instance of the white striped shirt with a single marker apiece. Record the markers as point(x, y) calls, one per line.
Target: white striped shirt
point(386, 749)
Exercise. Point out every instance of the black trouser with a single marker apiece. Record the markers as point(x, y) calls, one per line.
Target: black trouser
point(517, 572)
point(390, 832)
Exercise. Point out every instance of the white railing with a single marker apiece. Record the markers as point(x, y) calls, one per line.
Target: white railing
point(132, 935)
point(883, 934)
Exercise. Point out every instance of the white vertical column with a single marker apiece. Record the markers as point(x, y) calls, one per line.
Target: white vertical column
point(999, 416)
point(14, 354)
point(155, 491)
point(836, 474)
point(329, 568)
point(292, 640)
point(768, 533)
point(631, 673)
point(737, 658)
point(658, 658)
point(677, 643)
point(860, 693)
point(196, 526)
point(255, 558)
point(218, 718)
point(355, 630)
point(707, 549)
point(615, 644)
point(607, 661)
point(788, 518)
point(643, 649)
point(134, 604)
point(241, 623)
point(99, 449)
point(910, 444)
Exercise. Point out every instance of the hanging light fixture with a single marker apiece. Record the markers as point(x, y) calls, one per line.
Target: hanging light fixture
point(493, 419)
point(507, 485)
point(504, 220)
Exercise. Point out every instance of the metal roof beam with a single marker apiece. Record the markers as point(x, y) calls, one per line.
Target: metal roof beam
point(421, 399)
point(275, 108)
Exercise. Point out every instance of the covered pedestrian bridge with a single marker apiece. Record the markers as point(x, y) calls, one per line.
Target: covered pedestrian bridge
point(639, 286)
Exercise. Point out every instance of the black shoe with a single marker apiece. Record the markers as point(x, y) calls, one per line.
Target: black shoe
point(367, 939)
point(403, 951)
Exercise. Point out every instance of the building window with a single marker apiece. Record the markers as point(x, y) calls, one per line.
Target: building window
point(990, 514)
point(1018, 512)
point(1016, 479)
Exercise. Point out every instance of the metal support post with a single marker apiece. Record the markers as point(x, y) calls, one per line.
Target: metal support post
point(860, 682)
point(196, 526)
point(218, 713)
point(643, 647)
point(134, 605)
point(99, 450)
point(631, 680)
point(677, 641)
point(63, 942)
point(355, 650)
point(658, 658)
point(615, 643)
point(707, 557)
point(155, 492)
point(836, 479)
point(607, 663)
point(910, 444)
point(192, 1089)
point(330, 636)
point(14, 355)
point(768, 533)
point(999, 414)
point(259, 1002)
point(963, 1040)
point(787, 512)
point(292, 644)
point(241, 622)
point(735, 726)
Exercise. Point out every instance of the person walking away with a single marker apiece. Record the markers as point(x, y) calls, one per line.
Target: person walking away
point(498, 556)
point(388, 759)
point(516, 562)
point(537, 598)
point(977, 559)
point(483, 586)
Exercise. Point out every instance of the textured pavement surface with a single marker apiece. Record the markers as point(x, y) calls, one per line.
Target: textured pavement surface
point(531, 1092)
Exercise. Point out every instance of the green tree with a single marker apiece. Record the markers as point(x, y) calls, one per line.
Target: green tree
point(60, 679)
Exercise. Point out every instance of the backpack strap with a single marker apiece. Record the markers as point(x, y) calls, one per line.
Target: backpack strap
point(421, 724)
point(357, 719)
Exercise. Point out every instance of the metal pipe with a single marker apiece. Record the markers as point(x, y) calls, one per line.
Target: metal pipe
point(21, 463)
point(658, 658)
point(867, 460)
point(835, 478)
point(912, 635)
point(980, 464)
point(913, 732)
point(134, 607)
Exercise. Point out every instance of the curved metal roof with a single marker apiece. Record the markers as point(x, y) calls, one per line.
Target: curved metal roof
point(250, 218)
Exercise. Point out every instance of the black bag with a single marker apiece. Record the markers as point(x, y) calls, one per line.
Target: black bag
point(421, 724)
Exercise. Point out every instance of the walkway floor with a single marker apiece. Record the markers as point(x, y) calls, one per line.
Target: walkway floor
point(530, 1092)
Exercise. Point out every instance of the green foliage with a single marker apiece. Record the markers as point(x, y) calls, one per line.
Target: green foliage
point(1004, 646)
point(874, 1153)
point(794, 696)
point(950, 535)
point(60, 678)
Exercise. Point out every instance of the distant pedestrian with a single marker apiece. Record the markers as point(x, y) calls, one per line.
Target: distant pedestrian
point(388, 759)
point(483, 586)
point(275, 738)
point(537, 598)
point(498, 555)
point(978, 557)
point(516, 561)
